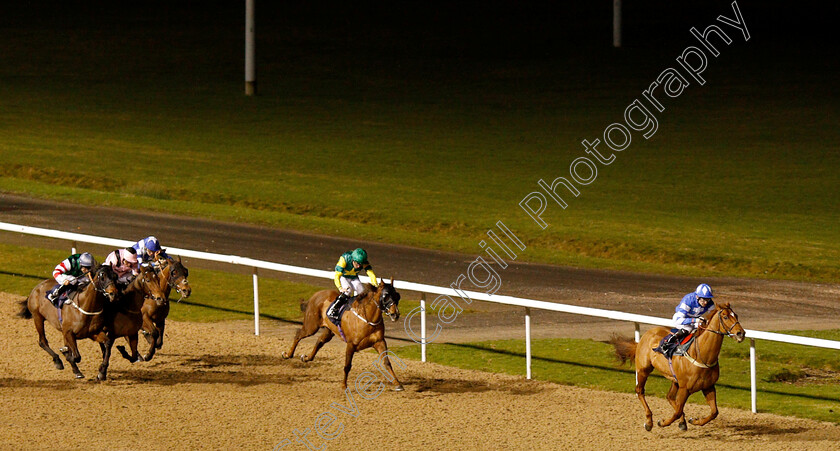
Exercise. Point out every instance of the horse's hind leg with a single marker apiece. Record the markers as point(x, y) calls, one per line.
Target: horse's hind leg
point(160, 326)
point(641, 378)
point(382, 349)
point(680, 399)
point(42, 340)
point(152, 338)
point(306, 330)
point(672, 398)
point(325, 337)
point(711, 398)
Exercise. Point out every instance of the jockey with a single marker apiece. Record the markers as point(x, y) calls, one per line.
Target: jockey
point(689, 315)
point(347, 277)
point(124, 263)
point(68, 271)
point(148, 250)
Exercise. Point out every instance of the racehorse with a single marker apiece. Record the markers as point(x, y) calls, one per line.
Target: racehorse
point(81, 317)
point(697, 370)
point(124, 318)
point(361, 326)
point(172, 275)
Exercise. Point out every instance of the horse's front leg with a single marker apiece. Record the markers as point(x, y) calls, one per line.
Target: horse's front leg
point(672, 398)
point(711, 398)
point(382, 349)
point(132, 344)
point(71, 353)
point(106, 358)
point(348, 362)
point(680, 399)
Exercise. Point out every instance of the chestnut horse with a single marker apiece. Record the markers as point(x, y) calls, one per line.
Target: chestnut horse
point(698, 370)
point(80, 318)
point(362, 325)
point(172, 275)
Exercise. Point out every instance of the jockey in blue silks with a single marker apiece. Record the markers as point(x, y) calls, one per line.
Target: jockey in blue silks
point(689, 316)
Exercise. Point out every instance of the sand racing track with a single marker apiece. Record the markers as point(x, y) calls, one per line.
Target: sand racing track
point(217, 386)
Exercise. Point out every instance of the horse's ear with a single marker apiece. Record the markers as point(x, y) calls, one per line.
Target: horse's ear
point(179, 258)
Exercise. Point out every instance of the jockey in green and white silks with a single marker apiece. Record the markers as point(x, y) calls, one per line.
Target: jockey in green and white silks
point(347, 270)
point(68, 271)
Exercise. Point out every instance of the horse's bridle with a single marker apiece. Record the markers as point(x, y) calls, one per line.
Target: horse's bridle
point(99, 284)
point(171, 281)
point(728, 332)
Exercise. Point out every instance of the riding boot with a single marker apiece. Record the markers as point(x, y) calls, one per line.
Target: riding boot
point(56, 293)
point(336, 306)
point(671, 342)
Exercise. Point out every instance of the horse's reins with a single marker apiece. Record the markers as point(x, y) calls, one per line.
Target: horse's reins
point(698, 361)
point(381, 308)
point(96, 288)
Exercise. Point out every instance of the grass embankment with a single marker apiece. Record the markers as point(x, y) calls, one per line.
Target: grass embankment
point(793, 380)
point(418, 149)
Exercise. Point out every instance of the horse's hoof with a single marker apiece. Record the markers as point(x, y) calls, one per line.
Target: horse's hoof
point(284, 355)
point(399, 388)
point(683, 427)
point(101, 377)
point(79, 376)
point(58, 365)
point(648, 426)
point(63, 349)
point(303, 358)
point(145, 358)
point(659, 423)
point(140, 358)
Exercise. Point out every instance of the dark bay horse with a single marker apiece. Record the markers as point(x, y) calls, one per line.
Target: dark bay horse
point(696, 371)
point(124, 318)
point(83, 317)
point(362, 325)
point(173, 275)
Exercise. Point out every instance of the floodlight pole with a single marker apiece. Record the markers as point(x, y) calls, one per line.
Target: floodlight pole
point(250, 70)
point(616, 23)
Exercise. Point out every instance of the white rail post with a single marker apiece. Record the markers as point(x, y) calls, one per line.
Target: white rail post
point(422, 327)
point(256, 303)
point(638, 338)
point(528, 342)
point(73, 249)
point(752, 373)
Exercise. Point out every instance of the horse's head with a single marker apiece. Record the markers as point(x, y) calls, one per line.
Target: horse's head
point(389, 299)
point(105, 281)
point(178, 274)
point(150, 284)
point(728, 323)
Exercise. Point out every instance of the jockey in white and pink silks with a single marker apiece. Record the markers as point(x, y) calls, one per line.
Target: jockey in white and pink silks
point(124, 263)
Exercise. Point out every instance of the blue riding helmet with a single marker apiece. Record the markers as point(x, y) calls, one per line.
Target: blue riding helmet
point(153, 244)
point(704, 291)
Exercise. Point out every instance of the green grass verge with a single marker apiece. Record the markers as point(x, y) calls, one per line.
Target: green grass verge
point(399, 153)
point(782, 387)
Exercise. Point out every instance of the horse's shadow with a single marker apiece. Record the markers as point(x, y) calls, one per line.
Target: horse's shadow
point(444, 386)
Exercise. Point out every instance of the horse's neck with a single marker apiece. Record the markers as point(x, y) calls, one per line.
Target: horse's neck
point(135, 291)
point(369, 307)
point(708, 343)
point(88, 297)
point(164, 276)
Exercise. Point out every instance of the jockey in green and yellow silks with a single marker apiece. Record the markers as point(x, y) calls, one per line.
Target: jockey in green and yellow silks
point(347, 270)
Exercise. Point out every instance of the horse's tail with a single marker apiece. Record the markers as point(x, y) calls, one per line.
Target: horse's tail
point(24, 310)
point(625, 348)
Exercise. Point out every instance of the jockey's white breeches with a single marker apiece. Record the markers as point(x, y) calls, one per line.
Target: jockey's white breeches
point(349, 285)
